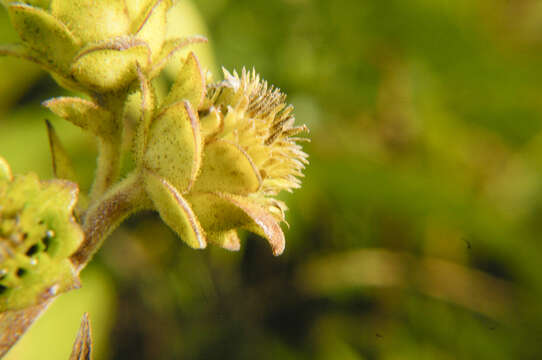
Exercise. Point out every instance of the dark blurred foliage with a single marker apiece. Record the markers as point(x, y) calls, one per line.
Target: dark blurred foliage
point(417, 233)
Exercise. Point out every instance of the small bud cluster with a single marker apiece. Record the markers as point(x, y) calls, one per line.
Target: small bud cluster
point(37, 236)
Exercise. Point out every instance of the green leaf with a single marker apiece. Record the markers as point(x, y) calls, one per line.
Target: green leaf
point(190, 84)
point(111, 65)
point(175, 210)
point(37, 235)
point(44, 33)
point(227, 168)
point(82, 347)
point(62, 165)
point(84, 114)
point(174, 147)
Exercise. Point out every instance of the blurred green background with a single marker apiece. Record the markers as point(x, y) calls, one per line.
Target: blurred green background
point(417, 233)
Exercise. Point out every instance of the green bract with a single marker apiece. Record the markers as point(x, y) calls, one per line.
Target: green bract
point(37, 236)
point(94, 45)
point(215, 156)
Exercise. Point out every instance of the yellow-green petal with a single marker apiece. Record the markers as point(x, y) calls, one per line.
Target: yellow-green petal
point(227, 168)
point(175, 210)
point(174, 147)
point(190, 84)
point(44, 33)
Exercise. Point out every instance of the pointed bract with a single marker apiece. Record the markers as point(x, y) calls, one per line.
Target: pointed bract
point(137, 8)
point(170, 48)
point(175, 210)
point(152, 28)
point(219, 212)
point(227, 168)
point(44, 33)
point(92, 20)
point(107, 68)
point(264, 224)
point(148, 104)
point(82, 347)
point(190, 84)
point(83, 113)
point(62, 165)
point(174, 148)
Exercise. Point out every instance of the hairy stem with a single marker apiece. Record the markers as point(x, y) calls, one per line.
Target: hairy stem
point(125, 198)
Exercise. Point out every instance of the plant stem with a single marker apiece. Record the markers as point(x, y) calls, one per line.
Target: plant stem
point(124, 199)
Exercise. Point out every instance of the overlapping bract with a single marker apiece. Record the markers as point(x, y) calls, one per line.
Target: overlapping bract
point(93, 45)
point(214, 156)
point(37, 236)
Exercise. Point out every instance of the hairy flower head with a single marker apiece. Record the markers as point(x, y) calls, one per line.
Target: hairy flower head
point(217, 155)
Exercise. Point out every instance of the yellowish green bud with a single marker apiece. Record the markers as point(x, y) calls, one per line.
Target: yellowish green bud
point(94, 45)
point(215, 156)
